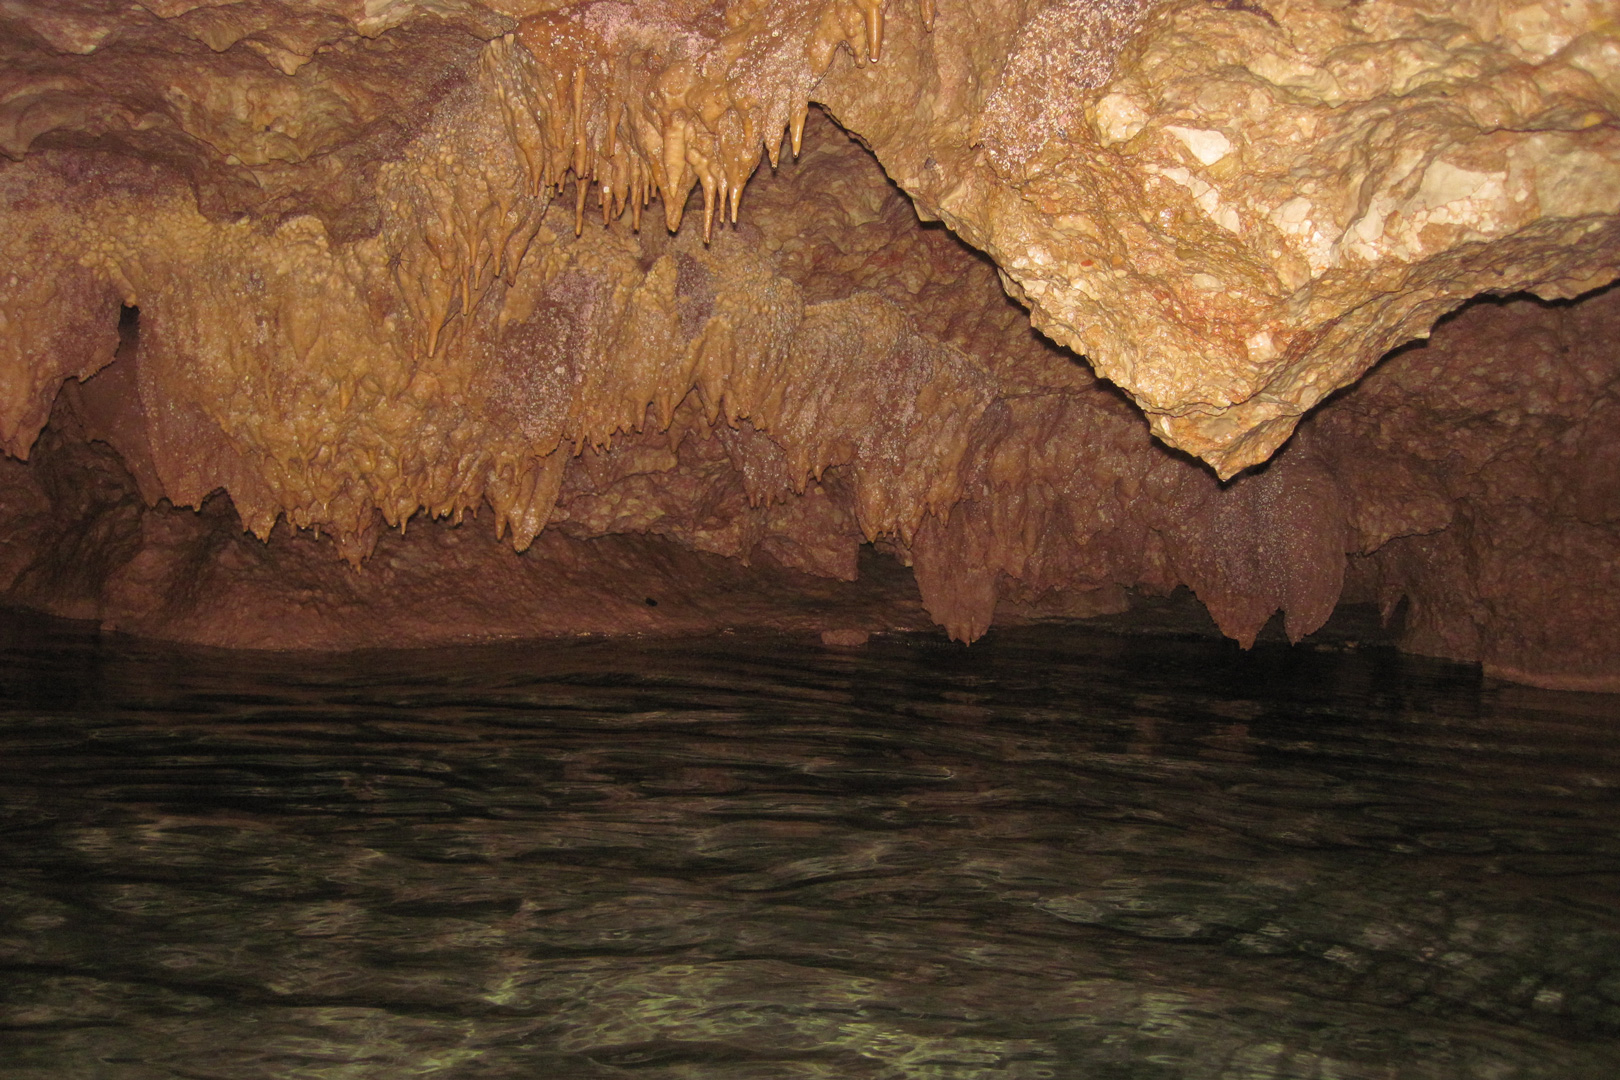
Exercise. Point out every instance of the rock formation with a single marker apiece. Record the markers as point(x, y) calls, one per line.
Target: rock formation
point(522, 316)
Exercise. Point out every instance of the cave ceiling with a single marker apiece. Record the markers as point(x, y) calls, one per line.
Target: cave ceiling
point(761, 276)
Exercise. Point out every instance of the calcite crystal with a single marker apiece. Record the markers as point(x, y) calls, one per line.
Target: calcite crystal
point(371, 280)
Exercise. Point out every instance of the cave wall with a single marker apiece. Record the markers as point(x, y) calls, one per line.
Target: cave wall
point(1031, 301)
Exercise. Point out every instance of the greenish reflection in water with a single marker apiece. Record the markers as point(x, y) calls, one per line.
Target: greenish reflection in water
point(1057, 854)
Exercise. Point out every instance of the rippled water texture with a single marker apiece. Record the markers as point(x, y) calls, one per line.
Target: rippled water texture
point(1059, 853)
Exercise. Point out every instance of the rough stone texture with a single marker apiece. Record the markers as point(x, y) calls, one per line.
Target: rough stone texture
point(1253, 202)
point(1492, 456)
point(384, 275)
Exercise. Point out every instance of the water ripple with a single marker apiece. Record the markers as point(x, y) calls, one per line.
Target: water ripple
point(1058, 854)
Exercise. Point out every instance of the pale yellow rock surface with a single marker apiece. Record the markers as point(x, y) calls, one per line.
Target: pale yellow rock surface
point(604, 268)
point(1253, 202)
point(1231, 210)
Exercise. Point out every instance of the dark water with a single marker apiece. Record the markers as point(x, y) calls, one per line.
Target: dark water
point(1057, 854)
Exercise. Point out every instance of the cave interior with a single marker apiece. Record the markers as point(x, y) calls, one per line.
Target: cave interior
point(327, 326)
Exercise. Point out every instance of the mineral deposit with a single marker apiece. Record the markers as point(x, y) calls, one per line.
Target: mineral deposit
point(330, 323)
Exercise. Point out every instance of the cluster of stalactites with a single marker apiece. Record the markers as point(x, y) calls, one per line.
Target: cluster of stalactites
point(635, 106)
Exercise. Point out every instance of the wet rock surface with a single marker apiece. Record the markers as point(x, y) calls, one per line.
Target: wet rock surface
point(1234, 209)
point(374, 285)
point(1468, 487)
point(1059, 853)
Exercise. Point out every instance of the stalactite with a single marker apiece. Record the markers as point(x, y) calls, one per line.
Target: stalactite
point(374, 294)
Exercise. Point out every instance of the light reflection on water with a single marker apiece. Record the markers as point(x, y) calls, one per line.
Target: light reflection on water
point(1057, 854)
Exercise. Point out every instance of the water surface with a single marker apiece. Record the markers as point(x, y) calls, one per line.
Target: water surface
point(1060, 853)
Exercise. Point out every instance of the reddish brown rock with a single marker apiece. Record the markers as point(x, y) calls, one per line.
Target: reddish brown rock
point(1492, 459)
point(370, 285)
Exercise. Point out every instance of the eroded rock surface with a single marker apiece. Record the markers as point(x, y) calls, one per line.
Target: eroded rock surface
point(1252, 202)
point(374, 282)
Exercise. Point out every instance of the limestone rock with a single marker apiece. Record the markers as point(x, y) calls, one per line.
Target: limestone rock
point(1234, 209)
point(1499, 435)
point(365, 278)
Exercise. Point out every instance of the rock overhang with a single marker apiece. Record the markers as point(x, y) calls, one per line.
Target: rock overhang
point(390, 258)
